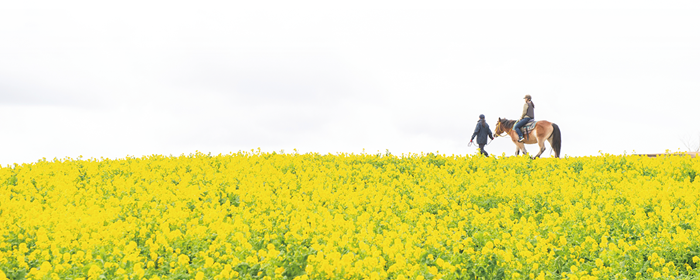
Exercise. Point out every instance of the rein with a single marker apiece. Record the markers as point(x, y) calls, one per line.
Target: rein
point(472, 143)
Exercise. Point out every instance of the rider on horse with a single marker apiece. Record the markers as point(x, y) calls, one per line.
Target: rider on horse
point(528, 115)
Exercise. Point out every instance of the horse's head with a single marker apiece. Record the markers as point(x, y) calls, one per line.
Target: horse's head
point(499, 128)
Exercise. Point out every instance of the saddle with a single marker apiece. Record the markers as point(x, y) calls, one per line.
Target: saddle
point(529, 126)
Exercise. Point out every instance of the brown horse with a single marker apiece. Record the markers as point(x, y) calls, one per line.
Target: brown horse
point(543, 130)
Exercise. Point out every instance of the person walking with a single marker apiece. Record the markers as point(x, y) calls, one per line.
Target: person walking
point(482, 131)
point(528, 115)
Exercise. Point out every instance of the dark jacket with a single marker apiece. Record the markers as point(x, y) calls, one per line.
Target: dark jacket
point(481, 132)
point(528, 110)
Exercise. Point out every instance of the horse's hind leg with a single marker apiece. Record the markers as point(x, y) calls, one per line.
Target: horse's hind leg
point(540, 141)
point(542, 148)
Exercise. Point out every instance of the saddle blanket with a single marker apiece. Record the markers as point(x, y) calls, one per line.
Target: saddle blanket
point(529, 126)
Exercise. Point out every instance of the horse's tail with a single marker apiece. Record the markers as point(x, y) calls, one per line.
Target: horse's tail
point(556, 140)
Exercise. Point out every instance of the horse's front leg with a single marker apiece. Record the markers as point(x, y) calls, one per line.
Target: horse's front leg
point(521, 147)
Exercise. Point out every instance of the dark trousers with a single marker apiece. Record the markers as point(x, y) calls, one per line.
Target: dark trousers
point(519, 125)
point(481, 149)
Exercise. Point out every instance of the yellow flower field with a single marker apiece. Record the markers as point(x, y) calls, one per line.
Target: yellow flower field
point(262, 215)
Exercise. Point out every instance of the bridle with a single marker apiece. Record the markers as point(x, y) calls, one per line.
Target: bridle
point(503, 134)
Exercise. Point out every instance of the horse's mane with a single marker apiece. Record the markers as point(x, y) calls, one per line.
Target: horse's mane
point(507, 124)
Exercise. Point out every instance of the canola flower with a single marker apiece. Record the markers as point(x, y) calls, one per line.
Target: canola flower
point(255, 215)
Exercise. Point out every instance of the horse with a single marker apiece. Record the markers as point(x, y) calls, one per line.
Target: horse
point(543, 130)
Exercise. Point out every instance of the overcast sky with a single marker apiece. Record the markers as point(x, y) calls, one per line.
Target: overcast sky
point(162, 77)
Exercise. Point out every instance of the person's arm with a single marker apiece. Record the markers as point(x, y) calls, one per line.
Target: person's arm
point(490, 134)
point(476, 131)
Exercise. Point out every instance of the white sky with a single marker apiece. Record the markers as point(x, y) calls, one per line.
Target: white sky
point(162, 77)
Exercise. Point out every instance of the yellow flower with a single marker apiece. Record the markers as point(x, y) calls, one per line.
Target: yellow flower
point(279, 270)
point(183, 259)
point(208, 262)
point(433, 270)
point(357, 215)
point(94, 272)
